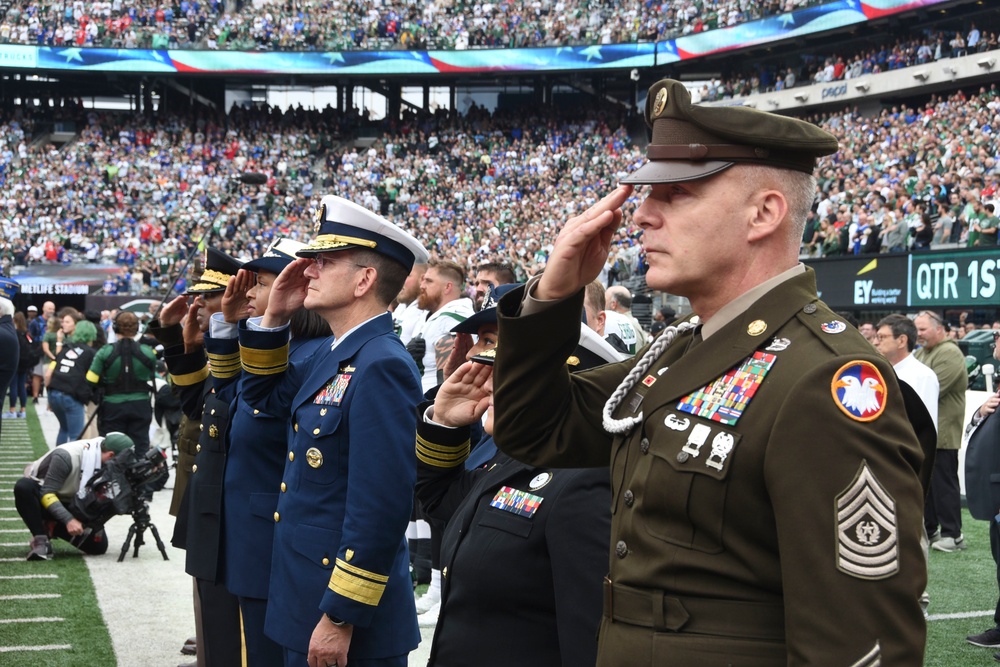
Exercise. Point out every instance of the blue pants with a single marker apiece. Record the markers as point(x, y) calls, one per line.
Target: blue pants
point(70, 413)
point(262, 651)
point(19, 389)
point(296, 659)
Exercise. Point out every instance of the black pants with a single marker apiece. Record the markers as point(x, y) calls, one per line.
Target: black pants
point(28, 501)
point(995, 548)
point(131, 418)
point(944, 503)
point(220, 631)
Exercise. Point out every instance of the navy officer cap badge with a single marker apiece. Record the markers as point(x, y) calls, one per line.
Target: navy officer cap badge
point(344, 225)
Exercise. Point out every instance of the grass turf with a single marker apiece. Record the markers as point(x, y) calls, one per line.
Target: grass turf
point(83, 627)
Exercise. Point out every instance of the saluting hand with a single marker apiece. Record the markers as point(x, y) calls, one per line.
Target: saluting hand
point(459, 351)
point(581, 249)
point(463, 398)
point(193, 336)
point(234, 299)
point(174, 311)
point(288, 293)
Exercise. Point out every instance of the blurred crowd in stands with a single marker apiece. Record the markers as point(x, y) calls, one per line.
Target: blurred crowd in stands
point(475, 187)
point(917, 48)
point(334, 25)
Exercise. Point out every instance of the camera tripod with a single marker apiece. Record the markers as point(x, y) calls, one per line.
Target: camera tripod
point(140, 522)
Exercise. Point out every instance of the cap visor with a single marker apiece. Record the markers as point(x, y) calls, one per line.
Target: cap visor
point(673, 171)
point(471, 324)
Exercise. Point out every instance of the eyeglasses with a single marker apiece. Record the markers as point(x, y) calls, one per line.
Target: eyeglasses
point(322, 261)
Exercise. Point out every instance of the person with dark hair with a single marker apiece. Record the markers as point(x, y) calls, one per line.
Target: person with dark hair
point(896, 339)
point(19, 383)
point(45, 494)
point(193, 362)
point(554, 523)
point(124, 371)
point(9, 346)
point(491, 274)
point(66, 381)
point(340, 589)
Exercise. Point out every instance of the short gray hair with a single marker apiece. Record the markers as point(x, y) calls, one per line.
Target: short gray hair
point(6, 307)
point(799, 189)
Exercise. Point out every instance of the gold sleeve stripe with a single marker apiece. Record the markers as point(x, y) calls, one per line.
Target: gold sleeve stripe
point(356, 588)
point(264, 362)
point(188, 379)
point(225, 366)
point(353, 569)
point(92, 377)
point(49, 499)
point(233, 357)
point(442, 456)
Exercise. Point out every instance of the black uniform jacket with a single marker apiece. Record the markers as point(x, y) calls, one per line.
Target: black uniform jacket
point(766, 508)
point(510, 568)
point(199, 520)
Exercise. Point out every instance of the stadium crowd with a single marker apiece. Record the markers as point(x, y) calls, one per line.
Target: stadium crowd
point(351, 25)
point(917, 48)
point(474, 188)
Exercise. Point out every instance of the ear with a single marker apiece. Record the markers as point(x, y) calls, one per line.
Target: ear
point(107, 455)
point(768, 209)
point(599, 324)
point(366, 282)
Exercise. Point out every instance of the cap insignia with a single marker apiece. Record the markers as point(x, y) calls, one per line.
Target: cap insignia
point(660, 102)
point(319, 218)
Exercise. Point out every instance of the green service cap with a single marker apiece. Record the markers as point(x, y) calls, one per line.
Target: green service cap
point(691, 141)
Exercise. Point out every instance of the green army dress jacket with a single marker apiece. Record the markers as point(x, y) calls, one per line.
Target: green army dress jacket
point(766, 510)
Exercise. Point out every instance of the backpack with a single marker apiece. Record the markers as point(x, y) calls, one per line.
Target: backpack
point(126, 382)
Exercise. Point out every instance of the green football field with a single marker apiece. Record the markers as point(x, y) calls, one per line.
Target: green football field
point(49, 613)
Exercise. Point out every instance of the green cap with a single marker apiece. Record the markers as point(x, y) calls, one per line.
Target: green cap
point(691, 141)
point(116, 442)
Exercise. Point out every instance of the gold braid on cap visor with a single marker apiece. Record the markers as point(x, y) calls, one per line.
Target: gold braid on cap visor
point(211, 279)
point(331, 241)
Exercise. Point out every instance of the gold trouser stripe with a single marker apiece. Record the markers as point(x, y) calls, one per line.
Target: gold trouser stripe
point(92, 377)
point(264, 362)
point(243, 641)
point(49, 499)
point(442, 456)
point(355, 588)
point(188, 379)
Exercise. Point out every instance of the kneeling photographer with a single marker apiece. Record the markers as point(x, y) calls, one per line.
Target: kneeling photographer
point(45, 495)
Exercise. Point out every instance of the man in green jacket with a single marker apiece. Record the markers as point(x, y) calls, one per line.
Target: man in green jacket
point(943, 510)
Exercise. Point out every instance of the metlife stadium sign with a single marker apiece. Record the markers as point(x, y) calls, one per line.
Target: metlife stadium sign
point(806, 21)
point(940, 279)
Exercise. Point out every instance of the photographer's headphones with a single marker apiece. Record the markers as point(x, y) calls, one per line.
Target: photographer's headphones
point(114, 322)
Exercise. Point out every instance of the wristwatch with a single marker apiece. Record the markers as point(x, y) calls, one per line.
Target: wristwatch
point(336, 621)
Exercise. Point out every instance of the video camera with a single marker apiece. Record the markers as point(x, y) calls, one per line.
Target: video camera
point(116, 489)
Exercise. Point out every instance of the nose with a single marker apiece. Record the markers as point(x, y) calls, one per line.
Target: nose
point(311, 272)
point(644, 216)
point(488, 384)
